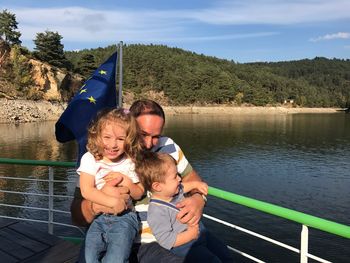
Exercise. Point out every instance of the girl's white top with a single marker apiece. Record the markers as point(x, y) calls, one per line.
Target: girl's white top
point(100, 168)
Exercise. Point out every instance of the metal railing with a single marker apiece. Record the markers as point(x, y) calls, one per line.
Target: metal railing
point(304, 219)
point(50, 193)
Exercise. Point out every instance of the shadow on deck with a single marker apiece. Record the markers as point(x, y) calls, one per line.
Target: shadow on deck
point(22, 242)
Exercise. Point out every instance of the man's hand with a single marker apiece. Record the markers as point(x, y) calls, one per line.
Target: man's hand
point(191, 210)
point(121, 193)
point(203, 188)
point(83, 211)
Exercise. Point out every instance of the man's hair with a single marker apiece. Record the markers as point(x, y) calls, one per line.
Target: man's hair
point(153, 167)
point(132, 143)
point(144, 107)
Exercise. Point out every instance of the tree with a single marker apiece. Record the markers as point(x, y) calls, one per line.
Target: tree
point(8, 26)
point(21, 69)
point(50, 49)
point(86, 65)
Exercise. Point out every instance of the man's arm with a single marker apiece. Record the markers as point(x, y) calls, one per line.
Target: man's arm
point(195, 186)
point(191, 208)
point(83, 211)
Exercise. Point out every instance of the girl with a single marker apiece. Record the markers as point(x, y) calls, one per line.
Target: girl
point(113, 144)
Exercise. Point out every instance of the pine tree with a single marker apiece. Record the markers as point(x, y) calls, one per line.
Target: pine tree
point(50, 49)
point(8, 26)
point(86, 65)
point(21, 70)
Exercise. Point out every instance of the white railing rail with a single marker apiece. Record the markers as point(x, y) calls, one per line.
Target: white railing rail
point(50, 209)
point(325, 225)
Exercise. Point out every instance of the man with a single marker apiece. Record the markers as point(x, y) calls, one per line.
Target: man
point(150, 118)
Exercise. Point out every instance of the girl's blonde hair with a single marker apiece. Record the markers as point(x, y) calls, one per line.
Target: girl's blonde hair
point(153, 167)
point(132, 143)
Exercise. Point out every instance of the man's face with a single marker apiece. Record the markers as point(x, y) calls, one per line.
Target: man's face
point(151, 127)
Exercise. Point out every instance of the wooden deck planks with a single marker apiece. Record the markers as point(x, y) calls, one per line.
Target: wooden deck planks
point(22, 242)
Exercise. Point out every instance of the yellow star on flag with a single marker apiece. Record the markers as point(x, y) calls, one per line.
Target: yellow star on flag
point(92, 100)
point(82, 91)
point(103, 72)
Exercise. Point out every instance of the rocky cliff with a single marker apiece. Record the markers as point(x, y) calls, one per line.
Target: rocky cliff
point(54, 84)
point(48, 82)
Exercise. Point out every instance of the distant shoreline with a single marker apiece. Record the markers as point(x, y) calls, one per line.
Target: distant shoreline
point(19, 111)
point(245, 110)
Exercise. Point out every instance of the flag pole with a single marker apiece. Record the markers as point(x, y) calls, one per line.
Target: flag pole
point(120, 91)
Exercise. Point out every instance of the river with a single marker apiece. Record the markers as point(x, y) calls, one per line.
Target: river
point(298, 161)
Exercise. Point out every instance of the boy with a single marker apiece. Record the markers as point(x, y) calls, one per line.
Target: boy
point(158, 174)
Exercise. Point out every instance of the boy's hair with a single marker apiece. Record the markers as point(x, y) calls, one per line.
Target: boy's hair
point(152, 167)
point(145, 106)
point(132, 144)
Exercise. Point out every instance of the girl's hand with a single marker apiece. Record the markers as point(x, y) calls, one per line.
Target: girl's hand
point(126, 182)
point(113, 175)
point(113, 188)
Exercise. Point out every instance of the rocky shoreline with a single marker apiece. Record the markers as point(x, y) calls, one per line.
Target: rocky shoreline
point(18, 111)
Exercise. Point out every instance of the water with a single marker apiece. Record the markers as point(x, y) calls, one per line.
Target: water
point(295, 161)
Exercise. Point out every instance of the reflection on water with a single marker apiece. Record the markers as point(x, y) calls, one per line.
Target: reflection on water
point(296, 161)
point(35, 141)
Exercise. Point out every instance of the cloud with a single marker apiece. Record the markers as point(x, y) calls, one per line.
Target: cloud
point(80, 24)
point(217, 37)
point(339, 35)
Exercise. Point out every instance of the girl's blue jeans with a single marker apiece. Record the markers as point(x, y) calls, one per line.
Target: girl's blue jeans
point(112, 234)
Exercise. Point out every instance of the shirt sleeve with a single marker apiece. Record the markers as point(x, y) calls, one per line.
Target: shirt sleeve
point(159, 221)
point(167, 145)
point(87, 164)
point(132, 174)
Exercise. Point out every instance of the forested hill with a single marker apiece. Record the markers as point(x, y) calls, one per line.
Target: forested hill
point(186, 78)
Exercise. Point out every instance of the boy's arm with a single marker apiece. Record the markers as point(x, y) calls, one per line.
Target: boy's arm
point(161, 221)
point(186, 236)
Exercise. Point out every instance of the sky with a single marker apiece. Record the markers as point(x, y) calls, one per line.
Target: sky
point(238, 30)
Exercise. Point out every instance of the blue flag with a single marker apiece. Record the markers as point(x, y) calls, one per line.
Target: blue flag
point(98, 92)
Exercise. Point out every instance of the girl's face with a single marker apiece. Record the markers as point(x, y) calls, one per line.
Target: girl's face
point(112, 137)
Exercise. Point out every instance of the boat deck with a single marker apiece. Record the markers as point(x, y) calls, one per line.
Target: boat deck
point(22, 242)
